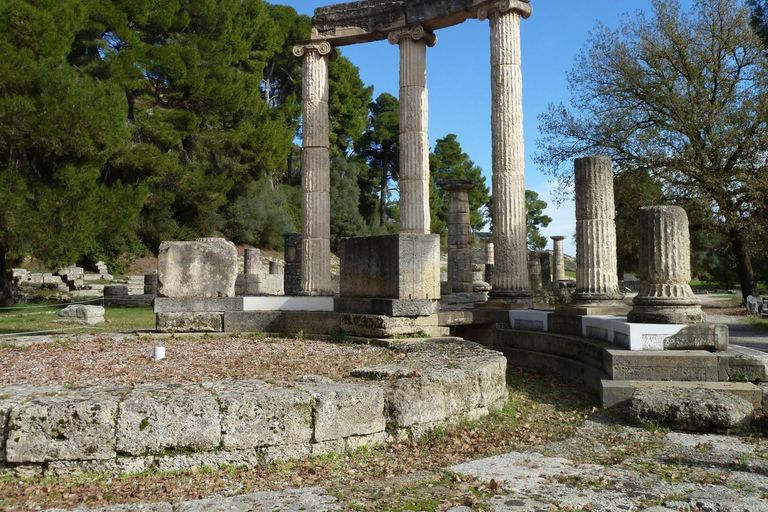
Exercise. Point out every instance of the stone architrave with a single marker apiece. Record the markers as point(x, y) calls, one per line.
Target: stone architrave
point(597, 279)
point(559, 257)
point(459, 235)
point(316, 168)
point(665, 297)
point(510, 275)
point(414, 115)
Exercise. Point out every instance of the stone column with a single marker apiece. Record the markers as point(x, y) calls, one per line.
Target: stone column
point(252, 261)
point(490, 257)
point(596, 270)
point(316, 169)
point(546, 268)
point(459, 234)
point(665, 296)
point(414, 142)
point(510, 275)
point(534, 270)
point(559, 257)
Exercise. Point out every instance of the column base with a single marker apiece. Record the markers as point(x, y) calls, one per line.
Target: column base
point(666, 315)
point(498, 299)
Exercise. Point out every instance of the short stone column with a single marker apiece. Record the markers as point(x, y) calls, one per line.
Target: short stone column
point(251, 261)
point(596, 269)
point(511, 283)
point(534, 270)
point(665, 296)
point(546, 268)
point(316, 169)
point(559, 256)
point(459, 234)
point(414, 115)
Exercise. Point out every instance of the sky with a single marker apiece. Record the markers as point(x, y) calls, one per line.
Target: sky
point(458, 79)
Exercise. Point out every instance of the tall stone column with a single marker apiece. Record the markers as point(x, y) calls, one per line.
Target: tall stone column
point(459, 235)
point(665, 296)
point(546, 268)
point(316, 169)
point(414, 115)
point(251, 261)
point(596, 269)
point(510, 275)
point(559, 256)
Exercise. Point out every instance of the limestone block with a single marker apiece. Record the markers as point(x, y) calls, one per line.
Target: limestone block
point(343, 410)
point(429, 398)
point(689, 365)
point(741, 363)
point(315, 499)
point(155, 418)
point(115, 290)
point(90, 315)
point(197, 269)
point(50, 428)
point(190, 322)
point(704, 336)
point(698, 410)
point(404, 266)
point(254, 415)
point(197, 305)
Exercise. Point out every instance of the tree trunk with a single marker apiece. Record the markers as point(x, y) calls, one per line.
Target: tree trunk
point(383, 195)
point(743, 263)
point(9, 293)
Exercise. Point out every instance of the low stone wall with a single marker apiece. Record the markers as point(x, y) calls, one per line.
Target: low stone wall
point(59, 431)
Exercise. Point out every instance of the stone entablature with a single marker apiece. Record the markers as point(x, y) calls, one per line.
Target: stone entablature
point(59, 431)
point(373, 20)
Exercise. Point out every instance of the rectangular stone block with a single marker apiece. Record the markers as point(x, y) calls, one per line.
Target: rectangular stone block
point(206, 268)
point(388, 307)
point(344, 410)
point(686, 365)
point(197, 305)
point(159, 417)
point(190, 322)
point(255, 415)
point(744, 364)
point(564, 324)
point(49, 428)
point(615, 392)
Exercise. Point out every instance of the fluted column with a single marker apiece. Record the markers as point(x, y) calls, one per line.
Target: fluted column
point(459, 234)
point(534, 270)
point(316, 168)
point(414, 116)
point(596, 270)
point(251, 261)
point(559, 256)
point(510, 273)
point(665, 297)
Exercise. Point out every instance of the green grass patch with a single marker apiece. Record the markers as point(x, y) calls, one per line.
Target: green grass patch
point(36, 317)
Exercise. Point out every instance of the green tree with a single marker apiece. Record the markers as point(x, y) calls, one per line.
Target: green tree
point(58, 126)
point(535, 218)
point(347, 105)
point(449, 162)
point(379, 146)
point(682, 96)
point(346, 219)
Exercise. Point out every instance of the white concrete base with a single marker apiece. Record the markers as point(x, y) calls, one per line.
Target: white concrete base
point(286, 303)
point(612, 329)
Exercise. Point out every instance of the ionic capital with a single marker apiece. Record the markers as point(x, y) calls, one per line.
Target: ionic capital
point(321, 47)
point(415, 32)
point(500, 7)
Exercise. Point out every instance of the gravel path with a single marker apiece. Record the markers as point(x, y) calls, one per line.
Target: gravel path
point(720, 310)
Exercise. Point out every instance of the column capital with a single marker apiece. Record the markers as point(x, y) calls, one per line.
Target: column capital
point(499, 7)
point(415, 32)
point(321, 47)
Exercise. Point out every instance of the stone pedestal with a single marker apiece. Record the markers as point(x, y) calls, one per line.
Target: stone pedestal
point(559, 256)
point(316, 168)
point(665, 269)
point(459, 235)
point(414, 142)
point(510, 274)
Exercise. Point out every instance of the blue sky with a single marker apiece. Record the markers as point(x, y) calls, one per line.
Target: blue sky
point(458, 75)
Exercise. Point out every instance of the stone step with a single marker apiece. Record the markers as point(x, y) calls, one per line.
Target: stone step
point(615, 392)
point(589, 352)
point(662, 365)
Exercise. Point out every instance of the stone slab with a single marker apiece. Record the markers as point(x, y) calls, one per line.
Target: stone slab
point(617, 392)
point(197, 304)
point(379, 326)
point(206, 268)
point(308, 322)
point(593, 309)
point(472, 316)
point(387, 307)
point(156, 418)
point(343, 410)
point(683, 365)
point(744, 364)
point(529, 320)
point(565, 324)
point(254, 415)
point(190, 322)
point(292, 500)
point(287, 303)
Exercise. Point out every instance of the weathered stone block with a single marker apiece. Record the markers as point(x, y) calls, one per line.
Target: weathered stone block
point(387, 307)
point(741, 363)
point(698, 410)
point(404, 266)
point(343, 410)
point(50, 428)
point(155, 418)
point(197, 305)
point(197, 269)
point(90, 315)
point(616, 392)
point(704, 336)
point(255, 415)
point(688, 365)
point(190, 322)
